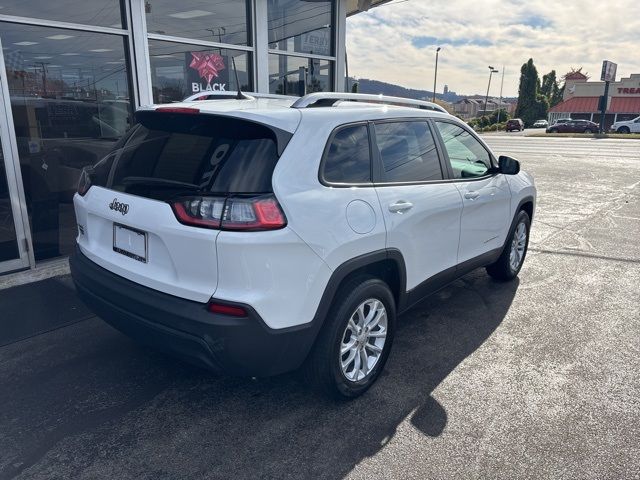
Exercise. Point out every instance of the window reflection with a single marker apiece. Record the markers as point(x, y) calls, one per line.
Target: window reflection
point(8, 239)
point(179, 70)
point(301, 26)
point(105, 13)
point(214, 21)
point(298, 76)
point(69, 94)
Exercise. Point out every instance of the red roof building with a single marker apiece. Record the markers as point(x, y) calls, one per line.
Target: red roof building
point(581, 99)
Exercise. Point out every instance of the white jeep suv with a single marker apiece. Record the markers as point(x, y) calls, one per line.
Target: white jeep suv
point(259, 234)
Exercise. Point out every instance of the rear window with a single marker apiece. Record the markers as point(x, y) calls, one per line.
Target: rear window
point(348, 159)
point(169, 154)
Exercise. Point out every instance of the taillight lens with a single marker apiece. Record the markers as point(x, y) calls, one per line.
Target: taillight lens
point(233, 213)
point(84, 184)
point(199, 211)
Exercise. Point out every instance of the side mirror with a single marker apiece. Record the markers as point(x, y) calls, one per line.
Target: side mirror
point(508, 165)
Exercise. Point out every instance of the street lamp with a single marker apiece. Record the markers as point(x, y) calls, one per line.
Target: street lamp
point(435, 75)
point(486, 98)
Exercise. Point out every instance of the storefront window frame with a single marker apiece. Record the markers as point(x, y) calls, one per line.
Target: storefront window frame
point(216, 46)
point(331, 65)
point(252, 25)
point(131, 62)
point(333, 40)
point(336, 28)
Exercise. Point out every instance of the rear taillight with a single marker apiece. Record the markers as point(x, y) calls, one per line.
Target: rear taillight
point(233, 213)
point(84, 184)
point(203, 212)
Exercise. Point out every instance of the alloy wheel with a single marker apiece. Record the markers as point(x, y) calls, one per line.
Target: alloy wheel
point(363, 340)
point(518, 245)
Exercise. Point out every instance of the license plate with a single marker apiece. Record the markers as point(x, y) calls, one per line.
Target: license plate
point(130, 242)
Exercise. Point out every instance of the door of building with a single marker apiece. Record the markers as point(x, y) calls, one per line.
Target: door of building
point(14, 232)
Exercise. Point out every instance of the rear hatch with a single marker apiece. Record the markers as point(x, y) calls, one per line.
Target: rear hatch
point(152, 209)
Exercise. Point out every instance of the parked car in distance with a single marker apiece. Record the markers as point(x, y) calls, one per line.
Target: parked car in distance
point(258, 235)
point(514, 124)
point(628, 126)
point(540, 124)
point(574, 126)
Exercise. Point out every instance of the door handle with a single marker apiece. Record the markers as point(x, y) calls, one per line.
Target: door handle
point(400, 206)
point(471, 195)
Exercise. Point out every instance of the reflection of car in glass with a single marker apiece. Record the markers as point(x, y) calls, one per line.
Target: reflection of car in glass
point(58, 137)
point(257, 235)
point(540, 124)
point(628, 126)
point(574, 126)
point(514, 124)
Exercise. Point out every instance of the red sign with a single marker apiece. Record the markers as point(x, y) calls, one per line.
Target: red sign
point(629, 91)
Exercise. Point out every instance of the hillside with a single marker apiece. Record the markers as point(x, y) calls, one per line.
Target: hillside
point(374, 86)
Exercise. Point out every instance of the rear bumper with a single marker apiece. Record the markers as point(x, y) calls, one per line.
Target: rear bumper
point(229, 345)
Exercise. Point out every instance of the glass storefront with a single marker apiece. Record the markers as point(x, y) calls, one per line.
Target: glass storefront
point(8, 236)
point(104, 13)
point(70, 101)
point(75, 71)
point(301, 26)
point(213, 21)
point(179, 70)
point(305, 29)
point(296, 75)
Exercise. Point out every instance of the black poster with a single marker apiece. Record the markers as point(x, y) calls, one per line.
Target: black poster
point(207, 71)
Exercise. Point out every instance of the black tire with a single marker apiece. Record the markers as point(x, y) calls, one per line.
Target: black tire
point(587, 130)
point(624, 130)
point(553, 130)
point(501, 269)
point(322, 368)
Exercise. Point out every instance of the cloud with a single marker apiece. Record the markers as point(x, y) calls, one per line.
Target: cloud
point(396, 42)
point(423, 42)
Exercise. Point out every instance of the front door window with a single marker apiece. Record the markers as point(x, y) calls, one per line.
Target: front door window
point(467, 156)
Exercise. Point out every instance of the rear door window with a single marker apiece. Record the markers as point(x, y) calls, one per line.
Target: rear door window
point(171, 154)
point(408, 152)
point(347, 158)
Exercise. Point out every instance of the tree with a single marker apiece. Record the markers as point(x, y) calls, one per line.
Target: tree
point(550, 88)
point(532, 105)
point(493, 116)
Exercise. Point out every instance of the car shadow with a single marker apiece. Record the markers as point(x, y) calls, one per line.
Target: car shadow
point(126, 410)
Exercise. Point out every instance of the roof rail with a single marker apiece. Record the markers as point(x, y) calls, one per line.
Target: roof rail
point(217, 95)
point(329, 99)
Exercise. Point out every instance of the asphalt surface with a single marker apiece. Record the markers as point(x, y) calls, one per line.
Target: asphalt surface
point(537, 378)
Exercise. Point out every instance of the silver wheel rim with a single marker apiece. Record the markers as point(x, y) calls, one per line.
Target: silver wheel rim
point(518, 244)
point(363, 340)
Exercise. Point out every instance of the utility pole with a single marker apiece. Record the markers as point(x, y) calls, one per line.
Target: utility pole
point(608, 75)
point(486, 98)
point(43, 65)
point(500, 103)
point(435, 75)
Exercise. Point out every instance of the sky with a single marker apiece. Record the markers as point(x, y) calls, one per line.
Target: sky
point(396, 42)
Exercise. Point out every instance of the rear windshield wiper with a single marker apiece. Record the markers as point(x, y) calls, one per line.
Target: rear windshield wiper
point(159, 182)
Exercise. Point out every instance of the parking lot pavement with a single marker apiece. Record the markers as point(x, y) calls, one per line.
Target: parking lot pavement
point(536, 378)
